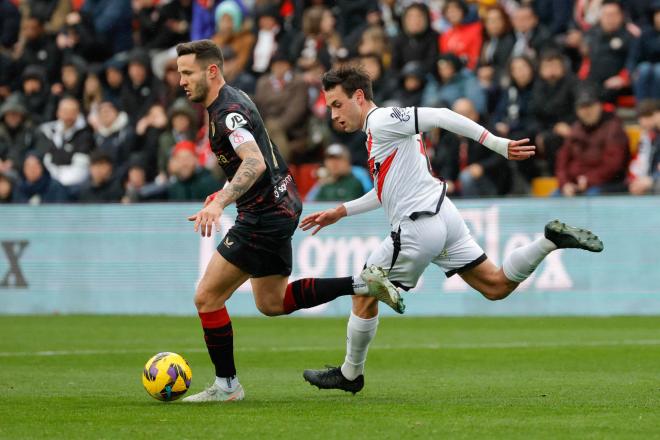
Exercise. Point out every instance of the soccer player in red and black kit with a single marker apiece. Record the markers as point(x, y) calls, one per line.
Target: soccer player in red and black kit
point(258, 246)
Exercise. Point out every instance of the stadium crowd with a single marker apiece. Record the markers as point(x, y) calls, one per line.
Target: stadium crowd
point(91, 109)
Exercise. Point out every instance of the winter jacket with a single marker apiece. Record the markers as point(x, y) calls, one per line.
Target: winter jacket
point(600, 153)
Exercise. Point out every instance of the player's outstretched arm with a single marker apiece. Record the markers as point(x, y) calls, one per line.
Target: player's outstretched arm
point(251, 168)
point(321, 219)
point(444, 118)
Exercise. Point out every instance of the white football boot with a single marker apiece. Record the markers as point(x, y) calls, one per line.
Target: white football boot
point(382, 289)
point(216, 394)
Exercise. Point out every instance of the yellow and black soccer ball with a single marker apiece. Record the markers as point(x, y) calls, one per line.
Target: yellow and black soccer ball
point(166, 376)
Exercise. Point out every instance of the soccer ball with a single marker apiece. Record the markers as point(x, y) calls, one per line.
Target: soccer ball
point(166, 376)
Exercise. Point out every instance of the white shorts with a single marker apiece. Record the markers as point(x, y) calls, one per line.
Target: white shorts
point(443, 239)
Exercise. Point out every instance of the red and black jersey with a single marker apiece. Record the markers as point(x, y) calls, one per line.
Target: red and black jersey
point(274, 192)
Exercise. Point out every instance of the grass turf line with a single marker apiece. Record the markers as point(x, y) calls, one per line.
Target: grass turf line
point(426, 378)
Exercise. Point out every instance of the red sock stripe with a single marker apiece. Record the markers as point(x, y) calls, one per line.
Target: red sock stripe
point(215, 319)
point(289, 301)
point(483, 137)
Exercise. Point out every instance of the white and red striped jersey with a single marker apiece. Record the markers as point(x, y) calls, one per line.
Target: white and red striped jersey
point(398, 163)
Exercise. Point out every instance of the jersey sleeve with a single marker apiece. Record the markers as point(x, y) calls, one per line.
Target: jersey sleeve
point(394, 122)
point(235, 124)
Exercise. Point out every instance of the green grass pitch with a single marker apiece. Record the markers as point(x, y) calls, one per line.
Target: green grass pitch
point(427, 378)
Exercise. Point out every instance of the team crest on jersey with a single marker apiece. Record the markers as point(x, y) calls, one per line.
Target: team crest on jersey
point(234, 121)
point(401, 114)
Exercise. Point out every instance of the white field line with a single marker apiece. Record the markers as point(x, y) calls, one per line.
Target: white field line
point(468, 346)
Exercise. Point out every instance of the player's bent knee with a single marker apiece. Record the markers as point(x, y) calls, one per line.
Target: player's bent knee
point(270, 309)
point(269, 304)
point(497, 292)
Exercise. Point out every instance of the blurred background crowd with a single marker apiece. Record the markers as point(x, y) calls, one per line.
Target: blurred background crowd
point(91, 109)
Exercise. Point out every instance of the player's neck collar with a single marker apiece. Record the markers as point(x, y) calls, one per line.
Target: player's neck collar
point(366, 120)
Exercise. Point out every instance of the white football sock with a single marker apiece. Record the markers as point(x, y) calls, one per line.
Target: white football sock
point(359, 334)
point(359, 286)
point(227, 384)
point(520, 263)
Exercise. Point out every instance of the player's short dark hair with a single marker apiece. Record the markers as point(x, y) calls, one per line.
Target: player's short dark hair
point(206, 52)
point(350, 78)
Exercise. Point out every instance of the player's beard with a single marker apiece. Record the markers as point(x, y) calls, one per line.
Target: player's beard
point(200, 91)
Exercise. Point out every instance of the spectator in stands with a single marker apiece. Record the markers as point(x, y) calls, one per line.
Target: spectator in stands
point(411, 86)
point(36, 185)
point(6, 188)
point(235, 76)
point(417, 41)
point(383, 83)
point(171, 88)
point(142, 89)
point(114, 135)
point(103, 185)
point(468, 168)
point(498, 44)
point(174, 20)
point(608, 52)
point(647, 59)
point(374, 41)
point(270, 36)
point(38, 48)
point(190, 182)
point(72, 78)
point(512, 116)
point(452, 83)
point(281, 97)
point(339, 183)
point(113, 77)
point(92, 96)
point(66, 143)
point(594, 157)
point(232, 32)
point(136, 186)
point(552, 111)
point(644, 170)
point(35, 93)
point(78, 37)
point(148, 131)
point(17, 134)
point(10, 22)
point(147, 18)
point(461, 39)
point(531, 36)
point(355, 17)
point(52, 12)
point(555, 15)
point(182, 126)
point(318, 41)
point(112, 20)
point(8, 75)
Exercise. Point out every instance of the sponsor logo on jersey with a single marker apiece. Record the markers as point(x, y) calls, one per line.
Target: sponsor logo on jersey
point(401, 114)
point(281, 188)
point(234, 121)
point(228, 243)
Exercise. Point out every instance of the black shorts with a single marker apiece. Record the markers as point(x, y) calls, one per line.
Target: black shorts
point(260, 247)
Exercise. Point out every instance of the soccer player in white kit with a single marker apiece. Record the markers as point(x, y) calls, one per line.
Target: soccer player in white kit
point(426, 227)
